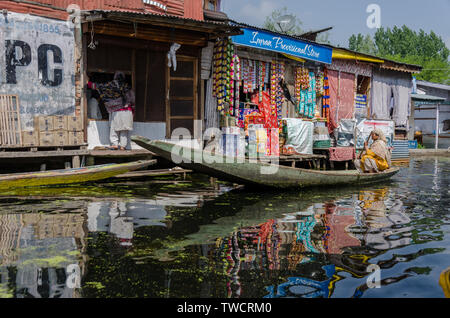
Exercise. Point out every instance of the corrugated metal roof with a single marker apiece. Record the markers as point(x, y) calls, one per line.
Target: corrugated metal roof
point(424, 97)
point(434, 85)
point(148, 15)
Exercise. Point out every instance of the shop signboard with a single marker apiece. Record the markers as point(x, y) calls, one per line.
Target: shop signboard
point(38, 65)
point(266, 40)
point(365, 127)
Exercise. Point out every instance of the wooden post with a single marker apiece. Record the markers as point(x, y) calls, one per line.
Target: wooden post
point(76, 162)
point(90, 161)
point(436, 142)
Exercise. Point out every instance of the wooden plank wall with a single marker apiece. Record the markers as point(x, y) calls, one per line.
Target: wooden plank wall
point(10, 128)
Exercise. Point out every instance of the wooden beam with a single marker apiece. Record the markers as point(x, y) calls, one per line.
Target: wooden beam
point(42, 154)
point(152, 34)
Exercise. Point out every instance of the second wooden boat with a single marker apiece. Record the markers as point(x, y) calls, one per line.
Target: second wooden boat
point(256, 172)
point(66, 176)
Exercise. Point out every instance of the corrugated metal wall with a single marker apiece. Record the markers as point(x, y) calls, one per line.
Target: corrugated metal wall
point(56, 8)
point(401, 149)
point(193, 9)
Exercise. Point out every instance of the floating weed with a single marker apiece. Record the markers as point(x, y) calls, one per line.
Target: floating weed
point(96, 285)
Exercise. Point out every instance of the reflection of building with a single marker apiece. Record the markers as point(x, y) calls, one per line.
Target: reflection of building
point(40, 247)
point(337, 221)
point(120, 218)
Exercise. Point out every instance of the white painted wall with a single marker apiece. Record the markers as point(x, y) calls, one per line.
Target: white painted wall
point(98, 134)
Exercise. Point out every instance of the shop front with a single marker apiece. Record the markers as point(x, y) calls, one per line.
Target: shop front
point(274, 95)
point(267, 90)
point(161, 59)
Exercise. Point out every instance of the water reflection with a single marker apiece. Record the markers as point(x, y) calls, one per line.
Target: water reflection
point(198, 240)
point(36, 249)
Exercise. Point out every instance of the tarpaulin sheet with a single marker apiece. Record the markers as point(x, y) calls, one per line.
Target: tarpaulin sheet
point(342, 97)
point(345, 133)
point(300, 135)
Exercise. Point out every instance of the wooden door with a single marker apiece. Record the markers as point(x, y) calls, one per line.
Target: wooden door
point(182, 95)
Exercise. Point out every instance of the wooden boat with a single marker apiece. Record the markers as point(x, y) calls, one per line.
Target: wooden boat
point(257, 173)
point(66, 176)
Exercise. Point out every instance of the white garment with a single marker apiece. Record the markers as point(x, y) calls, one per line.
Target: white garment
point(171, 56)
point(121, 123)
point(119, 138)
point(93, 109)
point(122, 120)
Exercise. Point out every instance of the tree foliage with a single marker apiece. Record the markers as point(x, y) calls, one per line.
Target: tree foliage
point(363, 44)
point(408, 46)
point(271, 22)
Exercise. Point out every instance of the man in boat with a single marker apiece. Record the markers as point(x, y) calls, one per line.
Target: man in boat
point(119, 100)
point(375, 158)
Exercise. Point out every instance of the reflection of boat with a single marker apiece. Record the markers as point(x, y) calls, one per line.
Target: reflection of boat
point(256, 173)
point(76, 175)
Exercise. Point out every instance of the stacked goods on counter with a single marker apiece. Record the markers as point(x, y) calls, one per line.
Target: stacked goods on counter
point(232, 143)
point(321, 138)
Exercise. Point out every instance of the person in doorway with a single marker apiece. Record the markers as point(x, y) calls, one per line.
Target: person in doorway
point(119, 100)
point(375, 158)
point(93, 106)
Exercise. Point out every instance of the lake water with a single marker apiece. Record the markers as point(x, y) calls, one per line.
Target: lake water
point(190, 238)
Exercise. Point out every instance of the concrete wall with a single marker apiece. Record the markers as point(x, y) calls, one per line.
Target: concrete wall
point(38, 65)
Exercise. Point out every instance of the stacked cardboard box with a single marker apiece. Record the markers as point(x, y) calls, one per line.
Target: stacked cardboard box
point(75, 130)
point(55, 131)
point(30, 138)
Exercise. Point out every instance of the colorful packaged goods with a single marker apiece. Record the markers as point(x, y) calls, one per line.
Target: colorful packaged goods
point(254, 118)
point(223, 83)
point(274, 142)
point(319, 83)
point(326, 97)
point(241, 116)
point(261, 141)
point(276, 92)
point(307, 103)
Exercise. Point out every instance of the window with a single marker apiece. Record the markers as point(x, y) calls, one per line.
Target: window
point(211, 5)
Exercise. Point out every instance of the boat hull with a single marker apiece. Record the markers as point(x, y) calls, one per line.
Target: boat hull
point(257, 173)
point(68, 176)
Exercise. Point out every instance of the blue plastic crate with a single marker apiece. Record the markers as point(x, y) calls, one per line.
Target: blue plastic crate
point(412, 144)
